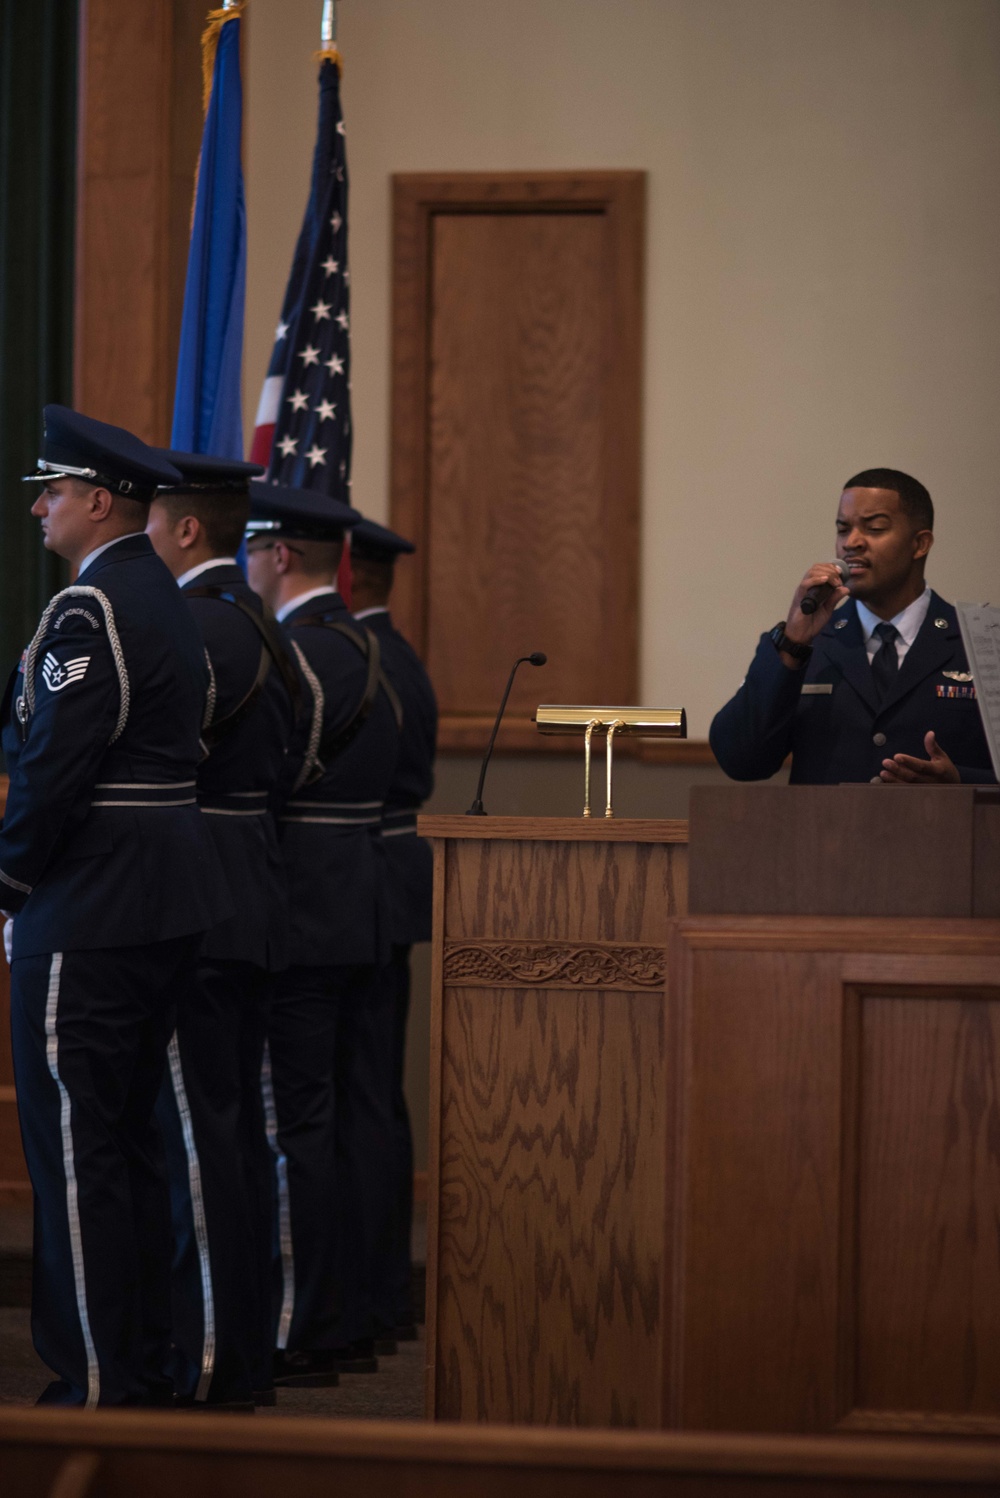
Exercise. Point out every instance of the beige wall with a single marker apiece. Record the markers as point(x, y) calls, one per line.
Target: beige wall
point(823, 256)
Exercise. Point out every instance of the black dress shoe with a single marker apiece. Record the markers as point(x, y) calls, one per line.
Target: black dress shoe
point(357, 1357)
point(306, 1370)
point(59, 1392)
point(190, 1405)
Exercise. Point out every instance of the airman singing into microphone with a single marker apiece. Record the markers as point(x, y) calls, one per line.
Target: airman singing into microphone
point(874, 685)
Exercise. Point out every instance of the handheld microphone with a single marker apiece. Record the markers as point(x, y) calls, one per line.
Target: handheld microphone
point(536, 658)
point(821, 592)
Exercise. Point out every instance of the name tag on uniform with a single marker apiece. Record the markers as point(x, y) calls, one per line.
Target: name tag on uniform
point(817, 688)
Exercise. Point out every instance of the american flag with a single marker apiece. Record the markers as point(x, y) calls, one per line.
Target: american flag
point(303, 427)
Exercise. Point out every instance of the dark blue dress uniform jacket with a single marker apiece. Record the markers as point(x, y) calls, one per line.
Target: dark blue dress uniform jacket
point(409, 857)
point(330, 827)
point(115, 703)
point(237, 783)
point(838, 731)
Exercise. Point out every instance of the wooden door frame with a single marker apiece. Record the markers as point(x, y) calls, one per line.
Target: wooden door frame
point(620, 196)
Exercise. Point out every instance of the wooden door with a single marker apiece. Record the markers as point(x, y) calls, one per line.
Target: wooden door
point(517, 343)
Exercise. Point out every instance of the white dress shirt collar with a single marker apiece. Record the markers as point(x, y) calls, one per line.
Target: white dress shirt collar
point(300, 598)
point(907, 621)
point(193, 572)
point(378, 608)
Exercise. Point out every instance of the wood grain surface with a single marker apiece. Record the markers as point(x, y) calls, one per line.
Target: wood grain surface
point(839, 850)
point(986, 856)
point(570, 891)
point(213, 1456)
point(140, 128)
point(758, 1270)
point(928, 1202)
point(834, 1224)
point(553, 1117)
point(517, 314)
point(549, 1298)
point(554, 829)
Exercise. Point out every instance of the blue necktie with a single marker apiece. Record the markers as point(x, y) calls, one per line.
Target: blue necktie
point(885, 661)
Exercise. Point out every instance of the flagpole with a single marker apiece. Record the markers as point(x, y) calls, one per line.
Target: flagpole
point(328, 26)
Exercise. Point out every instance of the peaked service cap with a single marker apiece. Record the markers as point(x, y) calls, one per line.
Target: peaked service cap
point(371, 542)
point(204, 471)
point(80, 447)
point(299, 514)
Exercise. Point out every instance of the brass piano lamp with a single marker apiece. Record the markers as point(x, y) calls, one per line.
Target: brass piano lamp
point(637, 722)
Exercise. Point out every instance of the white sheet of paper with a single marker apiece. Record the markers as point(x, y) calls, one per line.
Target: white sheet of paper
point(980, 626)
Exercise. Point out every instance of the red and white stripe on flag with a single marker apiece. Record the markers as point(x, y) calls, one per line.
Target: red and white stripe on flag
point(267, 417)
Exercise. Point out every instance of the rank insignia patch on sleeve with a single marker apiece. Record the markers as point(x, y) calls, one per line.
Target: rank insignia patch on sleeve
point(59, 674)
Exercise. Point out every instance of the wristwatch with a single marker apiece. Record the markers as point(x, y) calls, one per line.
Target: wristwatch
point(781, 642)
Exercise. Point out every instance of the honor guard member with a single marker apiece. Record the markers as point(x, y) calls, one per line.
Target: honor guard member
point(874, 685)
point(210, 1106)
point(111, 877)
point(332, 1120)
point(374, 551)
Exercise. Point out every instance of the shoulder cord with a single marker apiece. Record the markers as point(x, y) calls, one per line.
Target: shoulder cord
point(79, 590)
point(211, 694)
point(312, 769)
point(368, 645)
point(272, 648)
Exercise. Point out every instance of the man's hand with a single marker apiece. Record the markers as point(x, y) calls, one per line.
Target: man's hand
point(8, 937)
point(905, 769)
point(803, 628)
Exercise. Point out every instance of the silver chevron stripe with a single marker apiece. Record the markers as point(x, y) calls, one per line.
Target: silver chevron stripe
point(200, 1223)
point(72, 1193)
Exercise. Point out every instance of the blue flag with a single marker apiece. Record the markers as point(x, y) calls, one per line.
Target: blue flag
point(208, 416)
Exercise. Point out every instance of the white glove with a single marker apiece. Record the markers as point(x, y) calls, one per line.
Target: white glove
point(8, 937)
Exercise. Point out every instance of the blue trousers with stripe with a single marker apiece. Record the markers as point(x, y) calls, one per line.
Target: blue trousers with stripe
point(331, 1066)
point(212, 1115)
point(90, 1032)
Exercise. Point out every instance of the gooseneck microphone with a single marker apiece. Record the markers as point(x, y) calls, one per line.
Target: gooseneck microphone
point(536, 658)
point(820, 592)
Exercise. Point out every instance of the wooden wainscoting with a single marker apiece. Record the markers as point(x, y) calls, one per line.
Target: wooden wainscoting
point(517, 355)
point(836, 1226)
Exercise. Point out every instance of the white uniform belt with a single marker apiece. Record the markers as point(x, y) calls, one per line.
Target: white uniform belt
point(399, 823)
point(138, 793)
point(233, 803)
point(344, 814)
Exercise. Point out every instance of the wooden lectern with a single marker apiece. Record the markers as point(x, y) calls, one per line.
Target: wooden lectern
point(731, 1170)
point(550, 1117)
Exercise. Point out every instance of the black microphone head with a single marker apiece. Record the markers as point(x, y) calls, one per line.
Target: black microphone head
point(538, 657)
